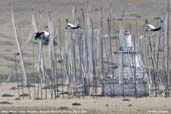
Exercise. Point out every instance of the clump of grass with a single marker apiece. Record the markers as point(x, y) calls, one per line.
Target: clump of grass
point(130, 105)
point(7, 95)
point(38, 99)
point(125, 99)
point(13, 88)
point(76, 104)
point(5, 102)
point(107, 105)
point(24, 95)
point(63, 108)
point(17, 99)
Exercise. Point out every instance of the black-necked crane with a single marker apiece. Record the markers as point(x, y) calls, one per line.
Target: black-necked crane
point(152, 27)
point(72, 26)
point(44, 36)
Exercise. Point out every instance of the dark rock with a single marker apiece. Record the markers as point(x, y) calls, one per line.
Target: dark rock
point(76, 104)
point(125, 99)
point(63, 108)
point(17, 98)
point(24, 95)
point(13, 88)
point(130, 105)
point(38, 99)
point(5, 102)
point(7, 95)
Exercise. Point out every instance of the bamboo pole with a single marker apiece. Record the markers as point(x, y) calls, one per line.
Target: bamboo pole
point(166, 50)
point(157, 61)
point(146, 57)
point(24, 80)
point(34, 71)
point(121, 71)
point(80, 48)
point(85, 56)
point(16, 73)
point(100, 48)
point(74, 13)
point(62, 61)
point(52, 54)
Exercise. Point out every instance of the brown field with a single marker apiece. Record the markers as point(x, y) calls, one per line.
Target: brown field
point(62, 9)
point(94, 105)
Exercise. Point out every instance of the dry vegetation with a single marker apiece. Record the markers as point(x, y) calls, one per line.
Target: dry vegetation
point(88, 105)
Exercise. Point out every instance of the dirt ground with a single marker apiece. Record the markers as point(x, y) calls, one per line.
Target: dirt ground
point(118, 105)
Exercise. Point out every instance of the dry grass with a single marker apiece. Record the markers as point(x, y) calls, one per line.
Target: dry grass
point(97, 105)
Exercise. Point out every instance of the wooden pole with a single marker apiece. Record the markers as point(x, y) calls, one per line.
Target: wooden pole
point(16, 73)
point(52, 54)
point(62, 61)
point(24, 80)
point(100, 48)
point(166, 50)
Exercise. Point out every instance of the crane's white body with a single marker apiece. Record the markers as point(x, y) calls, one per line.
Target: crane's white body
point(71, 25)
point(46, 34)
point(151, 26)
